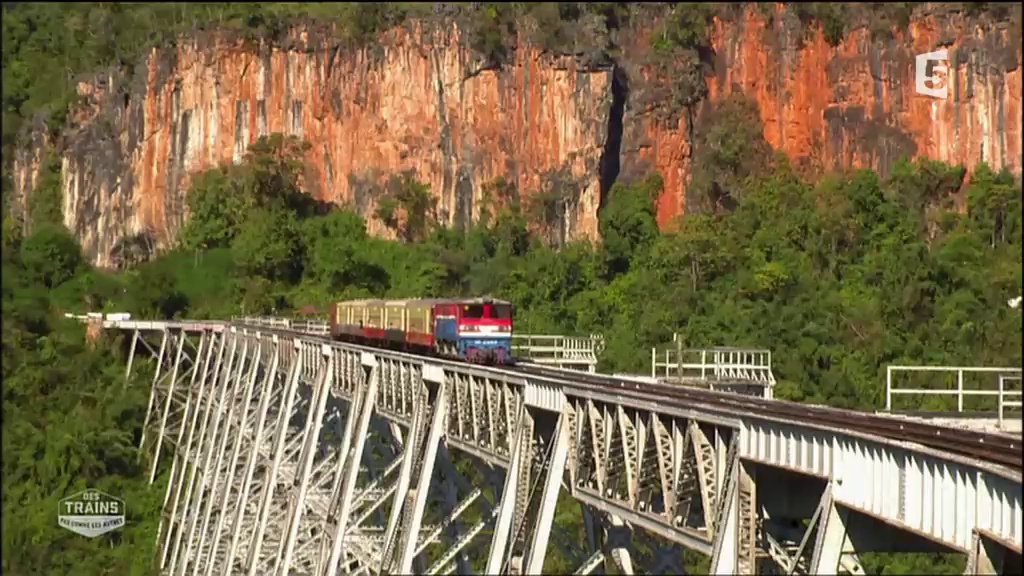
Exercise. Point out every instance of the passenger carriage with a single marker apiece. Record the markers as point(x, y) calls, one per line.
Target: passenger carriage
point(474, 329)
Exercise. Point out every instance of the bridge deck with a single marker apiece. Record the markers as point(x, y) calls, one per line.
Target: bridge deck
point(716, 472)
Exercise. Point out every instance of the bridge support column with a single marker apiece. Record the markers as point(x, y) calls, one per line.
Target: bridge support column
point(209, 476)
point(833, 537)
point(167, 408)
point(153, 388)
point(733, 550)
point(348, 462)
point(411, 532)
point(269, 388)
point(312, 439)
point(988, 556)
point(186, 458)
point(186, 523)
point(240, 424)
point(131, 356)
point(410, 444)
point(270, 479)
point(179, 464)
point(401, 537)
point(511, 491)
point(211, 501)
point(549, 498)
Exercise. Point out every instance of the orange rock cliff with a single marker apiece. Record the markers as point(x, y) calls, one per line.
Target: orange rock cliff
point(418, 101)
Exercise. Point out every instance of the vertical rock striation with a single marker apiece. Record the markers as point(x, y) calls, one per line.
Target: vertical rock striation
point(414, 101)
point(855, 105)
point(418, 101)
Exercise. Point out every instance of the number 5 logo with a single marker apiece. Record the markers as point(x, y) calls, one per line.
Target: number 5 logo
point(931, 72)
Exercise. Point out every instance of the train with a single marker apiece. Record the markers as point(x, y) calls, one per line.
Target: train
point(476, 330)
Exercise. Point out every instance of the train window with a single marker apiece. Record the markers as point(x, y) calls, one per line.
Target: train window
point(501, 311)
point(473, 311)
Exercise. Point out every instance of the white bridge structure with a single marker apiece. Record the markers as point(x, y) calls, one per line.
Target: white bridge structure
point(546, 349)
point(293, 454)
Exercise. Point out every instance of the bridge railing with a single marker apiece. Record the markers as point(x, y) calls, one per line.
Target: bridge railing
point(316, 326)
point(998, 396)
point(719, 363)
point(557, 350)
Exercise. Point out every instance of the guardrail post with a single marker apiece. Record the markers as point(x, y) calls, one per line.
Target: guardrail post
point(1002, 385)
point(888, 388)
point(959, 391)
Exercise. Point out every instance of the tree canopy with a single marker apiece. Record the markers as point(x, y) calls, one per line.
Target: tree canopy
point(838, 275)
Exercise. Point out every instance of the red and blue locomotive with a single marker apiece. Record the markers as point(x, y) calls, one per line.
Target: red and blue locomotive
point(478, 330)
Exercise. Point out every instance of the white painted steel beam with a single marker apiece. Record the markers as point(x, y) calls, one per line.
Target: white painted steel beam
point(272, 475)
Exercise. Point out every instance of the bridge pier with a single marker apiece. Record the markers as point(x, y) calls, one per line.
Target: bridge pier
point(348, 466)
point(990, 556)
point(287, 450)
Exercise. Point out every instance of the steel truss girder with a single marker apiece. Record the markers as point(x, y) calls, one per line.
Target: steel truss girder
point(292, 455)
point(252, 425)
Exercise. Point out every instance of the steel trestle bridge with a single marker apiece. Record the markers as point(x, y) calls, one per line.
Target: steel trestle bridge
point(293, 454)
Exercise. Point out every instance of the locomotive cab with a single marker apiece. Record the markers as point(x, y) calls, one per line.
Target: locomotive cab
point(485, 331)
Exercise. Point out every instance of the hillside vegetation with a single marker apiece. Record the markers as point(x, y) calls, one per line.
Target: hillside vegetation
point(838, 277)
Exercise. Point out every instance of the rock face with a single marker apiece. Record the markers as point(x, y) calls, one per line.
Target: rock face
point(418, 100)
point(856, 105)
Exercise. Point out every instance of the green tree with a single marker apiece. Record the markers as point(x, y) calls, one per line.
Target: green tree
point(51, 255)
point(153, 293)
point(729, 149)
point(628, 223)
point(335, 249)
point(269, 246)
point(217, 208)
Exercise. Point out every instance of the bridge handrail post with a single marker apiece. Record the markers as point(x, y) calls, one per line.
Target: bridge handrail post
point(1001, 393)
point(1001, 389)
point(960, 391)
point(888, 388)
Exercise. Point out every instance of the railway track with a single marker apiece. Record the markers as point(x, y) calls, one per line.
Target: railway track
point(997, 449)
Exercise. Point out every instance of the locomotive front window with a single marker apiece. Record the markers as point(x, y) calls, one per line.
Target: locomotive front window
point(473, 311)
point(501, 311)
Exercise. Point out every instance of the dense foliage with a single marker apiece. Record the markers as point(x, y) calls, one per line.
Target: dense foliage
point(838, 276)
point(70, 422)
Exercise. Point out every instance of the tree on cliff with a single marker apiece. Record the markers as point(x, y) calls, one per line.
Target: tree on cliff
point(50, 255)
point(729, 148)
point(407, 207)
point(628, 224)
point(222, 200)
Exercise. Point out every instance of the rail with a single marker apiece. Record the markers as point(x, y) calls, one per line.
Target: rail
point(994, 448)
point(1007, 398)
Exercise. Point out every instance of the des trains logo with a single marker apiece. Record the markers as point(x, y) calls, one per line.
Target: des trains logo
point(91, 513)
